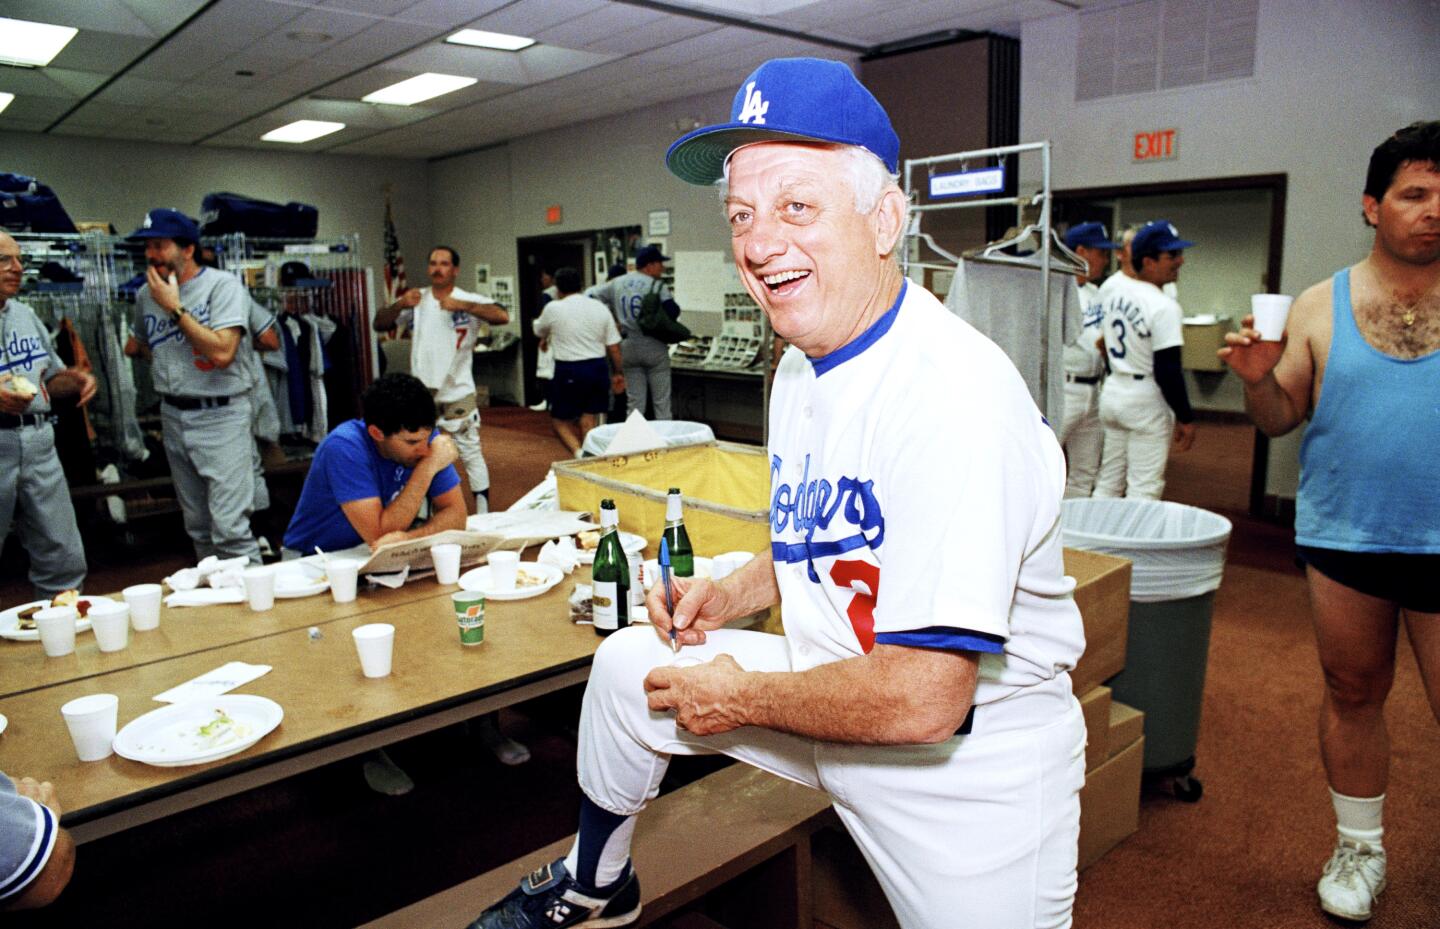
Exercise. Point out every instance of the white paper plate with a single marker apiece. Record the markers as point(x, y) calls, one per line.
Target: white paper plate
point(10, 620)
point(4, 723)
point(478, 580)
point(171, 736)
point(630, 543)
point(650, 575)
point(299, 579)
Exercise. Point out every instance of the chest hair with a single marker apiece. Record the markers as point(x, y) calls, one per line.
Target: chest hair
point(1382, 323)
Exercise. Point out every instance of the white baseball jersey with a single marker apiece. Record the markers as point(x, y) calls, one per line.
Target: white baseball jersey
point(1139, 321)
point(1082, 358)
point(915, 500)
point(217, 300)
point(442, 344)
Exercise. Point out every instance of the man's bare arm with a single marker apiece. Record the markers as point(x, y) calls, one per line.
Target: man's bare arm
point(386, 316)
point(1279, 376)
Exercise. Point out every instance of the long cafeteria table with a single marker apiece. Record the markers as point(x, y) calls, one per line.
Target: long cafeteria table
point(331, 710)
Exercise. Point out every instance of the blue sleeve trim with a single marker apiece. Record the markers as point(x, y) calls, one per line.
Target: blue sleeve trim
point(27, 870)
point(946, 638)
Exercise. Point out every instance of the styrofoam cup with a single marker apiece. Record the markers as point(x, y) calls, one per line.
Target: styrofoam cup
point(259, 587)
point(57, 629)
point(144, 600)
point(1270, 312)
point(344, 574)
point(503, 566)
point(446, 556)
point(376, 644)
point(111, 624)
point(91, 721)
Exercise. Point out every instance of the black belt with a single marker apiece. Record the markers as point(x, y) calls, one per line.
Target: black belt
point(969, 722)
point(194, 403)
point(12, 421)
point(1138, 377)
point(1077, 379)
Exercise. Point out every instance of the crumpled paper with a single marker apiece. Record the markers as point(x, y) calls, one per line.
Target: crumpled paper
point(561, 553)
point(217, 572)
point(206, 596)
point(393, 581)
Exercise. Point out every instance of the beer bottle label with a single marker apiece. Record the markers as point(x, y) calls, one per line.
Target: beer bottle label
point(606, 605)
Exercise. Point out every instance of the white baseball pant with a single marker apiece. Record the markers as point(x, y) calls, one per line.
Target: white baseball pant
point(979, 832)
point(35, 500)
point(1082, 437)
point(210, 451)
point(466, 433)
point(1139, 427)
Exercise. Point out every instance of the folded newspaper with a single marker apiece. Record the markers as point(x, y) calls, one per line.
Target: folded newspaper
point(483, 534)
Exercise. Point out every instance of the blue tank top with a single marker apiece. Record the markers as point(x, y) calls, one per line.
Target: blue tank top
point(1367, 463)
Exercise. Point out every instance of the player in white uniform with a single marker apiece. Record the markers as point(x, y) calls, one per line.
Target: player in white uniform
point(444, 321)
point(922, 681)
point(1144, 404)
point(1080, 432)
point(190, 321)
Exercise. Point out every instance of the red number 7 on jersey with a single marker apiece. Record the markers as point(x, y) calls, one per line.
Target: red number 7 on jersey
point(864, 579)
point(460, 337)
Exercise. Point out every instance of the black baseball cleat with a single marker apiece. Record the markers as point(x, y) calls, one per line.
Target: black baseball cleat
point(550, 898)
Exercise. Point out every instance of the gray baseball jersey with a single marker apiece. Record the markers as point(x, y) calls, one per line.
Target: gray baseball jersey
point(216, 300)
point(27, 351)
point(624, 295)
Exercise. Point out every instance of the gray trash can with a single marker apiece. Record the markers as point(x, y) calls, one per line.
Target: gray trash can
point(1178, 554)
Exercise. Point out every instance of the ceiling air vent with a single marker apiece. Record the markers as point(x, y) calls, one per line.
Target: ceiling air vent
point(1162, 44)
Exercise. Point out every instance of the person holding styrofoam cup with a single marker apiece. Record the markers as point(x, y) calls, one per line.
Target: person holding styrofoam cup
point(1270, 312)
point(91, 721)
point(259, 587)
point(344, 574)
point(144, 600)
point(56, 625)
point(376, 644)
point(446, 557)
point(111, 625)
point(503, 568)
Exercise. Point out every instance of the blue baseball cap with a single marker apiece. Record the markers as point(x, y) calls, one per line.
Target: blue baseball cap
point(1155, 237)
point(788, 100)
point(648, 254)
point(167, 224)
point(1089, 234)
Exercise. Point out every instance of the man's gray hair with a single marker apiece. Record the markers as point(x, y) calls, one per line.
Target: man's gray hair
point(868, 176)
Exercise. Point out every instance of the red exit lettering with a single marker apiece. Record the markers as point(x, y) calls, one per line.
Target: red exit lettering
point(1161, 143)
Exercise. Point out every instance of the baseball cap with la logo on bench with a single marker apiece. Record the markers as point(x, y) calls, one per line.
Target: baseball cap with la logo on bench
point(789, 100)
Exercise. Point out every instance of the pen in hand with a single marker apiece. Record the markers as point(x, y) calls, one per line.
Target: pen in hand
point(669, 596)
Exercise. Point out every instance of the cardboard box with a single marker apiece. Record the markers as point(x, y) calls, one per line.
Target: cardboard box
point(1110, 803)
point(1126, 725)
point(1102, 591)
point(1096, 704)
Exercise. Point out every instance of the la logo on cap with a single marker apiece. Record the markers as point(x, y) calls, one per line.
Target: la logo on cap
point(148, 222)
point(755, 107)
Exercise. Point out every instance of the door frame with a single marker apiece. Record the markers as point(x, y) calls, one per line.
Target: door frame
point(1276, 185)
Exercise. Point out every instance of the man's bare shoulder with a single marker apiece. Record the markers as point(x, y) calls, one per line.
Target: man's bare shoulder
point(1311, 315)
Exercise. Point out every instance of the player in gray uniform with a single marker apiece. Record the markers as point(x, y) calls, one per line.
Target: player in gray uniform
point(191, 320)
point(33, 492)
point(647, 360)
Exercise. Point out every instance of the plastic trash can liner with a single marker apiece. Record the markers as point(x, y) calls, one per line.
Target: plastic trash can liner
point(1178, 551)
point(675, 432)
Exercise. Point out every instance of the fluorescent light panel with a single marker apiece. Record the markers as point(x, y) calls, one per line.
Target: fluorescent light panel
point(5, 100)
point(32, 45)
point(302, 130)
point(421, 87)
point(482, 39)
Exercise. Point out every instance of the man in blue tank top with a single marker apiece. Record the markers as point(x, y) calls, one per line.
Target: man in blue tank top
point(1367, 515)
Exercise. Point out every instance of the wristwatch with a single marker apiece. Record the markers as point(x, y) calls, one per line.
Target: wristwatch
point(179, 312)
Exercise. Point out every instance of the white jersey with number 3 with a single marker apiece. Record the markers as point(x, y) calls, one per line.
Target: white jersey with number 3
point(1139, 320)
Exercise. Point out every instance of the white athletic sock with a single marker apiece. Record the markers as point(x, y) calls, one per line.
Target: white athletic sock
point(1358, 818)
point(613, 855)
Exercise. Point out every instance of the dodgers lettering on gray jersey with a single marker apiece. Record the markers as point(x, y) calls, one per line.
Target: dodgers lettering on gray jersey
point(216, 300)
point(26, 351)
point(624, 295)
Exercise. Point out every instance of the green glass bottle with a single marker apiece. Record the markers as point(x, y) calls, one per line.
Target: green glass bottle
point(610, 575)
point(682, 556)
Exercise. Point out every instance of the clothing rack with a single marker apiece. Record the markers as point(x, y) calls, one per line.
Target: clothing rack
point(1053, 256)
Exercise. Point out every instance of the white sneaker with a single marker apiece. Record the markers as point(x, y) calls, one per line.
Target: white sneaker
point(1353, 878)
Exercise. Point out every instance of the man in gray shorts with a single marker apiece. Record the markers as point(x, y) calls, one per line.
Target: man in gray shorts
point(190, 321)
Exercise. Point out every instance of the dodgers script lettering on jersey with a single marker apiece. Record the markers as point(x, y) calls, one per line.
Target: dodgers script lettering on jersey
point(844, 512)
point(22, 351)
point(159, 330)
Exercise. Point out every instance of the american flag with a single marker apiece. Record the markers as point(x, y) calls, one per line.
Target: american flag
point(395, 283)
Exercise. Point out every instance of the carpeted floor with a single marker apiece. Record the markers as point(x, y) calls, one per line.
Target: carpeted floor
point(320, 850)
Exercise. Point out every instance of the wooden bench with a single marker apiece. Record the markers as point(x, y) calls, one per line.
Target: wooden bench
point(739, 827)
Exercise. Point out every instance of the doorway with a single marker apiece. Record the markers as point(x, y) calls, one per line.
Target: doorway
point(1238, 225)
point(590, 252)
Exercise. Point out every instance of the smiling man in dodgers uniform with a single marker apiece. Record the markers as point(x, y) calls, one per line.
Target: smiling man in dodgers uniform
point(922, 681)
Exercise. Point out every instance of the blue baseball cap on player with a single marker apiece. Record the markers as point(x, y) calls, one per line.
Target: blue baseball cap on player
point(789, 100)
point(1092, 235)
point(648, 254)
point(1156, 237)
point(166, 224)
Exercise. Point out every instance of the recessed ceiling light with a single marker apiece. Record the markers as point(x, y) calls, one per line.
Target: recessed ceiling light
point(421, 87)
point(5, 101)
point(32, 45)
point(482, 39)
point(312, 38)
point(302, 130)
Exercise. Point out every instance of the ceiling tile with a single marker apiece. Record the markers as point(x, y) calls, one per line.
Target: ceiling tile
point(449, 14)
point(531, 17)
point(87, 15)
point(7, 124)
point(140, 91)
point(594, 27)
point(654, 35)
point(376, 44)
point(30, 109)
point(235, 24)
point(102, 51)
point(372, 7)
point(537, 63)
point(716, 44)
point(181, 58)
point(162, 16)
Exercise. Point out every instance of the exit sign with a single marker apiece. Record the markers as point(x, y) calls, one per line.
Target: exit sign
point(1157, 145)
point(552, 215)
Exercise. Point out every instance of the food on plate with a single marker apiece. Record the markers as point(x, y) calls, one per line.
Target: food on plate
point(589, 539)
point(25, 619)
point(221, 731)
point(524, 578)
point(66, 598)
point(20, 384)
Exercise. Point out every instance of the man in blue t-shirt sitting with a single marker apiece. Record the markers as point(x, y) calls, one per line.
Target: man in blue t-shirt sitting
point(369, 477)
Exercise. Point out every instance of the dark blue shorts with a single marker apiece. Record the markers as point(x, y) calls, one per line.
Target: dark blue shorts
point(580, 387)
point(1407, 580)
